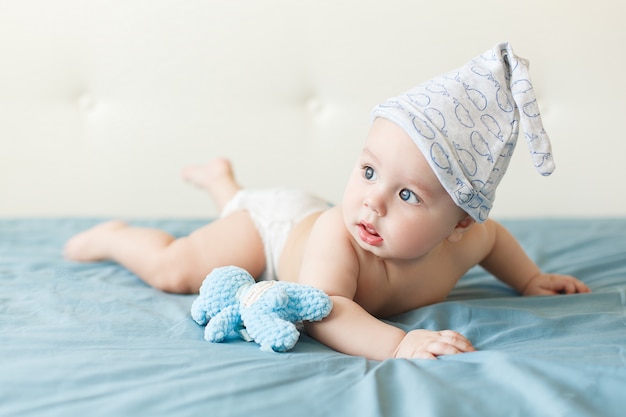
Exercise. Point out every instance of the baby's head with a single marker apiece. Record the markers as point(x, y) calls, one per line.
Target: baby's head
point(466, 124)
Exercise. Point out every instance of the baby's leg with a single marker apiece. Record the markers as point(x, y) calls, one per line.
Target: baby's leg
point(170, 264)
point(216, 177)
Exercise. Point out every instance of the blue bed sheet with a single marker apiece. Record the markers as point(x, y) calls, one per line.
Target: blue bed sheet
point(92, 339)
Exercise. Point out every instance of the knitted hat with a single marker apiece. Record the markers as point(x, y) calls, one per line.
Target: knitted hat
point(466, 124)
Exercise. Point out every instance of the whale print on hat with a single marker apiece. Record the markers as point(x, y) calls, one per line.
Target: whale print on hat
point(466, 124)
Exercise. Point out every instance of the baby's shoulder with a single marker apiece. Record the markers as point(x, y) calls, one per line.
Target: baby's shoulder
point(330, 220)
point(329, 232)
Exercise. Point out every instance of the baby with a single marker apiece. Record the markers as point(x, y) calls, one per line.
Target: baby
point(413, 220)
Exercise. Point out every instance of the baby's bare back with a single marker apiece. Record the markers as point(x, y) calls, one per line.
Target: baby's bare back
point(293, 251)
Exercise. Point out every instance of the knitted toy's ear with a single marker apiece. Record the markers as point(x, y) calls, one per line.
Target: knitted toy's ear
point(222, 324)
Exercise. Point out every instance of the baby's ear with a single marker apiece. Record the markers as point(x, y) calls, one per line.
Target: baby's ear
point(461, 227)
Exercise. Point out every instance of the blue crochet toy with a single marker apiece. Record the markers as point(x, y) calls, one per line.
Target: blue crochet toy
point(264, 312)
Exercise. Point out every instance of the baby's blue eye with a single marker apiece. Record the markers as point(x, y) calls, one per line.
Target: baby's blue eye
point(369, 173)
point(408, 196)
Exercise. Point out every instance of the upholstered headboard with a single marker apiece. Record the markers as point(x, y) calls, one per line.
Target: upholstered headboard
point(103, 102)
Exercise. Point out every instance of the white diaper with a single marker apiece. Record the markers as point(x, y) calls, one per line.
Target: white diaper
point(275, 212)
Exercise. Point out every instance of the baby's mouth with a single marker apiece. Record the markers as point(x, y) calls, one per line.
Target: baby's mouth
point(368, 234)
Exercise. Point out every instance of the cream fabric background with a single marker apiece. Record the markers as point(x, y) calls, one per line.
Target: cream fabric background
point(103, 102)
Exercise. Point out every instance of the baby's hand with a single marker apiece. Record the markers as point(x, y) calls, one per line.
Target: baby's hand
point(553, 284)
point(426, 344)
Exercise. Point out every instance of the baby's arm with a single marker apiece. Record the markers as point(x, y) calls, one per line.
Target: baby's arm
point(331, 264)
point(352, 330)
point(508, 262)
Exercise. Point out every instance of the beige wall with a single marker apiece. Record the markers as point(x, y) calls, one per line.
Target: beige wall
point(103, 102)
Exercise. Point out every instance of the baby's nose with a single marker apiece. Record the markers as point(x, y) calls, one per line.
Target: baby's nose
point(375, 201)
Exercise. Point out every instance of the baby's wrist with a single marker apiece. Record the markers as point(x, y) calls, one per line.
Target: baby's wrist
point(398, 352)
point(527, 284)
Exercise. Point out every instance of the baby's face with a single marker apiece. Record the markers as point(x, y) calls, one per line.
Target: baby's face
point(394, 205)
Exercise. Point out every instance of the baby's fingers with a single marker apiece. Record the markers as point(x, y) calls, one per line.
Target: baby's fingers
point(565, 287)
point(569, 285)
point(581, 287)
point(455, 341)
point(427, 344)
point(553, 284)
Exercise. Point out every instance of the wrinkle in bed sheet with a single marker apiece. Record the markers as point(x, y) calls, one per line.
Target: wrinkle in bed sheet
point(92, 339)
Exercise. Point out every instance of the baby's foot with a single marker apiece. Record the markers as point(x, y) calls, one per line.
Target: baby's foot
point(90, 245)
point(216, 177)
point(205, 176)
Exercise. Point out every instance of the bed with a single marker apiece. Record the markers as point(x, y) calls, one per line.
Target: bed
point(92, 339)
